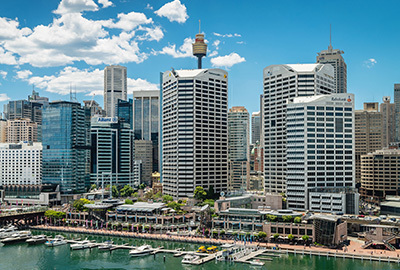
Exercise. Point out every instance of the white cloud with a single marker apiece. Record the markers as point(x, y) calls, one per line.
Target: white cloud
point(154, 33)
point(23, 74)
point(75, 6)
point(105, 3)
point(216, 44)
point(227, 35)
point(84, 81)
point(3, 74)
point(7, 57)
point(149, 6)
point(4, 97)
point(128, 22)
point(184, 51)
point(370, 62)
point(71, 38)
point(213, 53)
point(227, 60)
point(173, 11)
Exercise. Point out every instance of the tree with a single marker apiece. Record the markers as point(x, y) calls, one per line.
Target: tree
point(54, 214)
point(78, 204)
point(158, 195)
point(211, 193)
point(271, 218)
point(126, 191)
point(142, 186)
point(276, 236)
point(128, 201)
point(199, 193)
point(167, 198)
point(210, 202)
point(93, 187)
point(115, 192)
point(297, 219)
point(174, 205)
point(290, 237)
point(287, 218)
point(305, 238)
point(136, 195)
point(149, 195)
point(262, 235)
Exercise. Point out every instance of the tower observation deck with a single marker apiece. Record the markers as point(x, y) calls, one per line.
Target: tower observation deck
point(199, 48)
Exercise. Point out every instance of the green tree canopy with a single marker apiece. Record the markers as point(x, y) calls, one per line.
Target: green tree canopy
point(200, 193)
point(174, 205)
point(211, 193)
point(305, 237)
point(158, 195)
point(128, 201)
point(54, 214)
point(276, 236)
point(126, 191)
point(167, 198)
point(210, 202)
point(262, 235)
point(78, 204)
point(271, 218)
point(287, 218)
point(290, 237)
point(297, 219)
point(142, 186)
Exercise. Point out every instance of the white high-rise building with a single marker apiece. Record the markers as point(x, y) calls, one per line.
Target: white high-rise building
point(115, 87)
point(194, 131)
point(321, 154)
point(282, 83)
point(21, 164)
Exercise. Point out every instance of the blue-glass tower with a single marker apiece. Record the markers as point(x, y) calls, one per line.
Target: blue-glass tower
point(66, 149)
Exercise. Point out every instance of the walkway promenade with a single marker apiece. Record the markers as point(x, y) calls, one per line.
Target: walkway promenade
point(354, 250)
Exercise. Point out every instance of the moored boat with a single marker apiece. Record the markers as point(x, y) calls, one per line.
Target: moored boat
point(37, 239)
point(81, 245)
point(141, 251)
point(18, 237)
point(189, 258)
point(57, 241)
point(107, 245)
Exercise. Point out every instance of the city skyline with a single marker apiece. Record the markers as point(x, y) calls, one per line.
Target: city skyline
point(66, 46)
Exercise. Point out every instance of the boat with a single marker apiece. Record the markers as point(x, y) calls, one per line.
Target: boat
point(202, 249)
point(81, 245)
point(107, 245)
point(256, 262)
point(140, 251)
point(37, 239)
point(7, 231)
point(18, 237)
point(57, 241)
point(212, 249)
point(189, 258)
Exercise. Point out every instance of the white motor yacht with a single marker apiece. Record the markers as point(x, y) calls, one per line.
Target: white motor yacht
point(140, 251)
point(7, 231)
point(107, 245)
point(37, 239)
point(81, 245)
point(17, 237)
point(57, 241)
point(189, 258)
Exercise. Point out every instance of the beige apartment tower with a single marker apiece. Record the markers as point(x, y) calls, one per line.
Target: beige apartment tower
point(21, 130)
point(368, 133)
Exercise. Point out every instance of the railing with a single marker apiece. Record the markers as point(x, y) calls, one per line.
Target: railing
point(29, 210)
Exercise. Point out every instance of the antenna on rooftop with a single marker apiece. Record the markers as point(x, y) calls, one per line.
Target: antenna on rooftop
point(330, 38)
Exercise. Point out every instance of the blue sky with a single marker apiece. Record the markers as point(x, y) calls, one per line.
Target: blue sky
point(56, 45)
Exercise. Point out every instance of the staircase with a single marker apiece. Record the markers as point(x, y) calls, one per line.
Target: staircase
point(389, 246)
point(367, 244)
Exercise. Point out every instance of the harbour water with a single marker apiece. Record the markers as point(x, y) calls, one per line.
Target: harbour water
point(22, 256)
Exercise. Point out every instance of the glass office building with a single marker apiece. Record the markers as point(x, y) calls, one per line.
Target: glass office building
point(66, 152)
point(125, 111)
point(146, 111)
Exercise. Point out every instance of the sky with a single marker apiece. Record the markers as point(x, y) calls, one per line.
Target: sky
point(54, 46)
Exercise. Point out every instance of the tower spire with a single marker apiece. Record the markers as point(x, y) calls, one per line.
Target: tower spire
point(199, 26)
point(330, 48)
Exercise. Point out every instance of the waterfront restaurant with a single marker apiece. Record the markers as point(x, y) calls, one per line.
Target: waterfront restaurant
point(156, 214)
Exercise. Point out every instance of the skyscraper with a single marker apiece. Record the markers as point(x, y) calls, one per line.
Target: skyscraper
point(320, 154)
point(115, 87)
point(146, 120)
point(112, 154)
point(3, 131)
point(388, 111)
point(255, 127)
point(335, 58)
point(66, 155)
point(397, 109)
point(125, 111)
point(21, 130)
point(194, 130)
point(238, 148)
point(368, 133)
point(144, 154)
point(281, 84)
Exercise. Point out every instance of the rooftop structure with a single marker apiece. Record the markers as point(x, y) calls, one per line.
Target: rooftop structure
point(199, 48)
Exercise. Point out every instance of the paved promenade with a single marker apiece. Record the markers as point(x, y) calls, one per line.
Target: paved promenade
point(353, 249)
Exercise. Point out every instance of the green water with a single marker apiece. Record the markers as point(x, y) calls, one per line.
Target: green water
point(22, 256)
